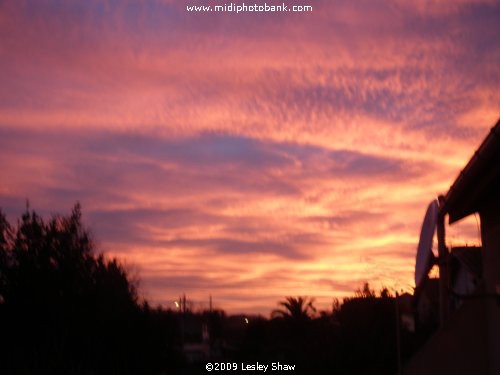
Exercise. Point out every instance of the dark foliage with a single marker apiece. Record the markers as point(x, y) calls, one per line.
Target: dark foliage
point(357, 337)
point(64, 309)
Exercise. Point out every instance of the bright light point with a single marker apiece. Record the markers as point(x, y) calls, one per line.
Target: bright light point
point(247, 321)
point(176, 304)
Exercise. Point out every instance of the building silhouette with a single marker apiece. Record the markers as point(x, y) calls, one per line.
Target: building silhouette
point(468, 338)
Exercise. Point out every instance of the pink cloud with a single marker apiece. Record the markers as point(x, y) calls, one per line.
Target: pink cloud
point(303, 144)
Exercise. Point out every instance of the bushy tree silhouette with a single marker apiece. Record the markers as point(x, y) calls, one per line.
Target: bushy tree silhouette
point(64, 308)
point(5, 240)
point(295, 308)
point(365, 292)
point(67, 309)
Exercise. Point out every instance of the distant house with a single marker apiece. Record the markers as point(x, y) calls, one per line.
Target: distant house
point(468, 340)
point(466, 273)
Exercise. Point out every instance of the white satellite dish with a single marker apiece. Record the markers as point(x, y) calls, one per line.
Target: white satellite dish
point(425, 258)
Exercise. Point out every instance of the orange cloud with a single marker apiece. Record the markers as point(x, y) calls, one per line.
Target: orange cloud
point(246, 156)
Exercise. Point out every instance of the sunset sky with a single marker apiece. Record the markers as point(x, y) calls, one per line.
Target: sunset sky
point(248, 156)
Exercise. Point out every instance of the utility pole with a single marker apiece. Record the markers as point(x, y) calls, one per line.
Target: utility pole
point(398, 333)
point(182, 300)
point(443, 265)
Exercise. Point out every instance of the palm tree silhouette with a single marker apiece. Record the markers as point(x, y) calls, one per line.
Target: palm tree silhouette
point(296, 308)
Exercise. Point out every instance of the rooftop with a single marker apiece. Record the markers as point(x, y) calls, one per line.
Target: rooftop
point(477, 182)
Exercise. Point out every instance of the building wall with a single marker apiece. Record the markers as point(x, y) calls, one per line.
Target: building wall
point(459, 348)
point(490, 228)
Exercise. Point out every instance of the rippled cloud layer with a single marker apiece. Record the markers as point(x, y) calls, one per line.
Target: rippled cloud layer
point(247, 156)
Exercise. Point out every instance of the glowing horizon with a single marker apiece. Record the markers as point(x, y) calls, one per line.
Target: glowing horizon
point(249, 156)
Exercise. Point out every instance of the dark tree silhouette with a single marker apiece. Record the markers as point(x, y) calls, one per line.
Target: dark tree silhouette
point(365, 292)
point(296, 308)
point(5, 241)
point(67, 309)
point(64, 308)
